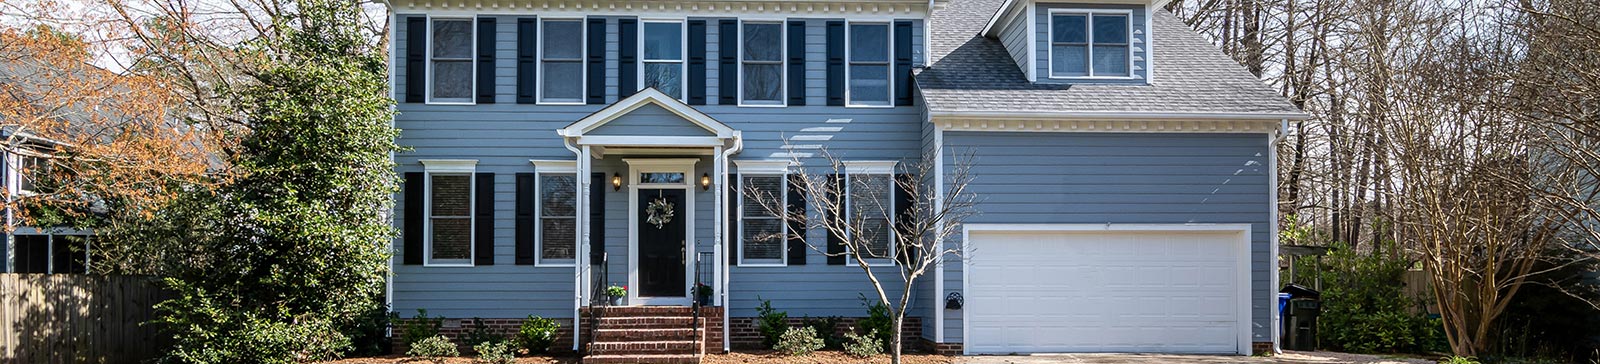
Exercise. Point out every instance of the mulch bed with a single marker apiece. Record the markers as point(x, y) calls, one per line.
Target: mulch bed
point(820, 357)
point(397, 359)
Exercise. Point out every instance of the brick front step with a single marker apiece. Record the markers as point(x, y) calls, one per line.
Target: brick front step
point(629, 322)
point(643, 311)
point(609, 334)
point(643, 359)
point(644, 348)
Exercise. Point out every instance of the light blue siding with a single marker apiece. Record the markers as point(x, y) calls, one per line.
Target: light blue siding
point(1015, 38)
point(1042, 40)
point(651, 120)
point(1096, 178)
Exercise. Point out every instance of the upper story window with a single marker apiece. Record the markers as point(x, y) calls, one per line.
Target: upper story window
point(561, 55)
point(450, 66)
point(51, 253)
point(1090, 43)
point(761, 60)
point(869, 65)
point(663, 57)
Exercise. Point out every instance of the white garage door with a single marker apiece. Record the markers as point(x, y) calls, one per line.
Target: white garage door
point(1107, 291)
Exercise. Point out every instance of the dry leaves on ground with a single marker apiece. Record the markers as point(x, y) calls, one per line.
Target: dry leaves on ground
point(401, 359)
point(820, 357)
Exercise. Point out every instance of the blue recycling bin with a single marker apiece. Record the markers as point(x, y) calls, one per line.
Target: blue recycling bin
point(1283, 302)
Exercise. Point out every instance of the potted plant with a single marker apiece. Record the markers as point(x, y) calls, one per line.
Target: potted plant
point(617, 293)
point(702, 293)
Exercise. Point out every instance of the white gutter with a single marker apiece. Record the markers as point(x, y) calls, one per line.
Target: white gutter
point(577, 266)
point(738, 145)
point(1272, 228)
point(1115, 115)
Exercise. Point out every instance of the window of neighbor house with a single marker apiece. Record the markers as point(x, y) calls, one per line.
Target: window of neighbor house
point(450, 61)
point(869, 65)
point(761, 60)
point(561, 62)
point(663, 57)
point(763, 234)
point(1090, 44)
point(48, 253)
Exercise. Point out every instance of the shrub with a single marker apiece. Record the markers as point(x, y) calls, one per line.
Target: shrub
point(537, 333)
point(496, 352)
point(825, 327)
point(432, 348)
point(771, 322)
point(368, 331)
point(1459, 360)
point(799, 341)
point(420, 327)
point(481, 334)
point(877, 324)
point(1366, 308)
point(863, 346)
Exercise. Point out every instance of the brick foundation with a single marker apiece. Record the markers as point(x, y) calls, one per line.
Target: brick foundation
point(746, 333)
point(1261, 347)
point(457, 329)
point(937, 348)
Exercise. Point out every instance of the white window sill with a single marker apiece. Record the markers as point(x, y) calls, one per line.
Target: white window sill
point(762, 265)
point(447, 265)
point(762, 105)
point(554, 265)
point(868, 106)
point(458, 103)
point(561, 103)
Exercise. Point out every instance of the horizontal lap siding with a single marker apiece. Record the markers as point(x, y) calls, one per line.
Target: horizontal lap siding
point(1099, 178)
point(1016, 39)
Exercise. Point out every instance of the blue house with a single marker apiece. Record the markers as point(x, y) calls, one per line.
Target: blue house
point(1122, 162)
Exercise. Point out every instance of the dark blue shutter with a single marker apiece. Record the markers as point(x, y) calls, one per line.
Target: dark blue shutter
point(627, 57)
point(597, 216)
point(697, 62)
point(733, 220)
point(727, 62)
point(835, 191)
point(836, 64)
point(483, 220)
point(797, 227)
point(526, 223)
point(902, 63)
point(416, 59)
point(797, 63)
point(486, 38)
point(527, 59)
point(411, 229)
point(597, 61)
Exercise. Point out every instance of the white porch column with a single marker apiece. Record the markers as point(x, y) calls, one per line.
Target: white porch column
point(723, 276)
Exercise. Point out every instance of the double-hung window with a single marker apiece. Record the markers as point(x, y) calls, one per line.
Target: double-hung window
point(869, 77)
point(763, 233)
point(450, 66)
point(869, 206)
point(1090, 44)
point(663, 57)
point(450, 199)
point(561, 55)
point(50, 252)
point(761, 62)
point(558, 218)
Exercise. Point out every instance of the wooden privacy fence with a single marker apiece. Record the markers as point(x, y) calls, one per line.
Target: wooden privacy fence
point(72, 318)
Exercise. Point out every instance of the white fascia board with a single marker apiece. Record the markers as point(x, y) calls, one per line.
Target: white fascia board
point(1113, 115)
point(650, 141)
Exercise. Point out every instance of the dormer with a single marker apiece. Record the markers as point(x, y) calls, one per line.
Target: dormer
point(1077, 42)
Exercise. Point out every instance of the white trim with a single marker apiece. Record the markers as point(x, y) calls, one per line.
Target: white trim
point(683, 53)
point(583, 56)
point(449, 167)
point(1242, 259)
point(938, 205)
point(994, 20)
point(783, 200)
point(1149, 43)
point(1272, 234)
point(552, 167)
point(1033, 44)
point(762, 166)
point(888, 63)
point(783, 63)
point(670, 165)
point(472, 58)
point(649, 141)
point(1095, 116)
point(651, 8)
point(640, 99)
point(869, 167)
point(1088, 15)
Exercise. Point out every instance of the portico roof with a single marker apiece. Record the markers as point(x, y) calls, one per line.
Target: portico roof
point(680, 116)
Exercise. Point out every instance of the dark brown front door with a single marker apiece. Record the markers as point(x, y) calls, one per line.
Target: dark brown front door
point(662, 247)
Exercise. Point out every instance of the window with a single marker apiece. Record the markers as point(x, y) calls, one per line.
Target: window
point(46, 253)
point(869, 201)
point(33, 169)
point(449, 219)
point(450, 61)
point(763, 234)
point(561, 54)
point(761, 61)
point(558, 218)
point(663, 57)
point(869, 65)
point(1090, 44)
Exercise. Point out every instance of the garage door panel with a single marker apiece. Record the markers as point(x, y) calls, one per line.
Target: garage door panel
point(1031, 292)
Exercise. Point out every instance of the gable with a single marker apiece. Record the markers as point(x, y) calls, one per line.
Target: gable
point(652, 120)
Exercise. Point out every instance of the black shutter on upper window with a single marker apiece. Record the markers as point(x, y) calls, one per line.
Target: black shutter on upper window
point(904, 213)
point(697, 62)
point(597, 217)
point(597, 61)
point(411, 235)
point(835, 191)
point(527, 59)
point(836, 63)
point(797, 227)
point(733, 220)
point(526, 223)
point(797, 63)
point(627, 57)
point(902, 63)
point(483, 220)
point(486, 42)
point(727, 62)
point(416, 59)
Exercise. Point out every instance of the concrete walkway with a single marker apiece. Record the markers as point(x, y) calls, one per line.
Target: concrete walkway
point(1285, 358)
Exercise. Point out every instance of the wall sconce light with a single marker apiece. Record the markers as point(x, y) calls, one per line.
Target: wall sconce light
point(705, 181)
point(616, 182)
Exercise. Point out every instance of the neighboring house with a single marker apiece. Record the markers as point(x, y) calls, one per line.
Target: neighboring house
point(31, 249)
point(1123, 168)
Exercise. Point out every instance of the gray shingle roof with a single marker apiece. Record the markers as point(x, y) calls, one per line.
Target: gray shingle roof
point(972, 73)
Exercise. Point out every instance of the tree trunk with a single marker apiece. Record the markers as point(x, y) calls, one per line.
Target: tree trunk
point(894, 343)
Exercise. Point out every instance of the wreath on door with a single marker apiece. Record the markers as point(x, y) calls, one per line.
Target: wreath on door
point(659, 212)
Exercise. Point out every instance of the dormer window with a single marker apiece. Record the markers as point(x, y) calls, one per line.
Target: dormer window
point(1090, 43)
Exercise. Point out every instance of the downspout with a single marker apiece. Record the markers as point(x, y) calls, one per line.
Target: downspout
point(1272, 228)
point(738, 145)
point(577, 267)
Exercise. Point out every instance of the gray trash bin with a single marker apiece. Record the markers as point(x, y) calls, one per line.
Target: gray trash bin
point(1300, 320)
